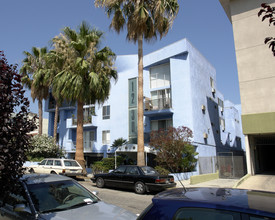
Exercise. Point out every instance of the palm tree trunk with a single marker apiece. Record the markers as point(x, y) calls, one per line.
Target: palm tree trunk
point(79, 152)
point(55, 122)
point(40, 112)
point(140, 155)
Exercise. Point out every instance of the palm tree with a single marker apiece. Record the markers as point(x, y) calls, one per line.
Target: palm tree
point(144, 20)
point(118, 143)
point(33, 77)
point(54, 64)
point(86, 75)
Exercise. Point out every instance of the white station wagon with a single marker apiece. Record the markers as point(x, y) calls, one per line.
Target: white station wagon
point(67, 167)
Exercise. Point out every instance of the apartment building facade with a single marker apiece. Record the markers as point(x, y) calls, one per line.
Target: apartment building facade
point(179, 90)
point(256, 65)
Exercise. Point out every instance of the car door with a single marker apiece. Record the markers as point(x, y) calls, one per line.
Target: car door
point(115, 177)
point(48, 166)
point(57, 166)
point(130, 176)
point(40, 167)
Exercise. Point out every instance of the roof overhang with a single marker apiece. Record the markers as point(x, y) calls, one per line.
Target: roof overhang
point(226, 7)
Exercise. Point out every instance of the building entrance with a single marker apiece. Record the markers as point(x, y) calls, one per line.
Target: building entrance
point(264, 154)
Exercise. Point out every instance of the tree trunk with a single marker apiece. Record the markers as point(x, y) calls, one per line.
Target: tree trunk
point(55, 122)
point(140, 155)
point(40, 113)
point(79, 151)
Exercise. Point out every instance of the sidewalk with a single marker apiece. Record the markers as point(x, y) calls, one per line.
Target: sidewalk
point(219, 183)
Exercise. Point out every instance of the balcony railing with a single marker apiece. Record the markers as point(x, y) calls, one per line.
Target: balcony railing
point(157, 104)
point(86, 120)
point(52, 104)
point(87, 145)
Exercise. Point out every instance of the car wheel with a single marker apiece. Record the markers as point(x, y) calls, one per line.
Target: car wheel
point(31, 170)
point(52, 172)
point(100, 182)
point(140, 187)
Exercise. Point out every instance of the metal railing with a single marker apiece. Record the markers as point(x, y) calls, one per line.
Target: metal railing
point(52, 104)
point(87, 145)
point(157, 104)
point(86, 120)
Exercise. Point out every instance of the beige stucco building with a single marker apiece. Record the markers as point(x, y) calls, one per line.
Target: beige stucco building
point(256, 72)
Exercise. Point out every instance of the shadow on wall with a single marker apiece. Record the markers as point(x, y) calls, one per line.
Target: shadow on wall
point(236, 146)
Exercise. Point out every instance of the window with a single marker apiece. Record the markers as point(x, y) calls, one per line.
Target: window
point(161, 99)
point(106, 137)
point(106, 112)
point(160, 76)
point(220, 103)
point(161, 124)
point(57, 163)
point(120, 169)
point(49, 162)
point(87, 114)
point(206, 214)
point(222, 123)
point(43, 162)
point(70, 163)
point(132, 170)
point(211, 82)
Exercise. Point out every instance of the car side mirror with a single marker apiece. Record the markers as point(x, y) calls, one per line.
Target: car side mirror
point(22, 208)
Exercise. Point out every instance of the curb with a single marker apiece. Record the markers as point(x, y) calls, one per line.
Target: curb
point(242, 180)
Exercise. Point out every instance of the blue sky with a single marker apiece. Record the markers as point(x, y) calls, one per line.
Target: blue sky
point(25, 24)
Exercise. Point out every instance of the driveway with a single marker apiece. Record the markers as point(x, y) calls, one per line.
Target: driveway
point(258, 182)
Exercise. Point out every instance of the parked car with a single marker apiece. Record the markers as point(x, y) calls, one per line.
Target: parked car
point(139, 178)
point(67, 167)
point(211, 203)
point(48, 196)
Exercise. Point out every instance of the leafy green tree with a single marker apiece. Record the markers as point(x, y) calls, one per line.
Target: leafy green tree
point(144, 20)
point(33, 72)
point(44, 146)
point(15, 124)
point(175, 151)
point(86, 75)
point(268, 12)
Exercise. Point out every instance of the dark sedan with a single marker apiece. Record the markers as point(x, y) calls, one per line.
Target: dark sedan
point(140, 178)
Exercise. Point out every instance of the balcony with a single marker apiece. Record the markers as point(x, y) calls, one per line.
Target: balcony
point(86, 120)
point(87, 145)
point(66, 105)
point(154, 107)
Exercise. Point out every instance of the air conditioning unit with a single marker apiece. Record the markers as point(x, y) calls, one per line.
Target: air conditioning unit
point(205, 135)
point(203, 107)
point(213, 90)
point(221, 109)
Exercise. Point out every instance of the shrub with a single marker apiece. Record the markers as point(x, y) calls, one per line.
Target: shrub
point(106, 164)
point(162, 170)
point(44, 147)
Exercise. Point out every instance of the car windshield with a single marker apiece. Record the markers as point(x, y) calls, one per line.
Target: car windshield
point(59, 195)
point(70, 163)
point(149, 170)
